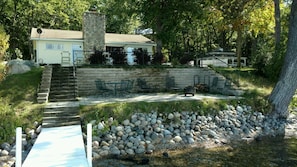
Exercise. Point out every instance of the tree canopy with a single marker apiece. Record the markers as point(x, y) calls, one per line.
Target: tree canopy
point(183, 28)
point(3, 42)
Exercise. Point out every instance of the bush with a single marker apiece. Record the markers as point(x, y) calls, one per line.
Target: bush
point(158, 58)
point(8, 121)
point(97, 58)
point(118, 57)
point(142, 56)
point(185, 59)
point(4, 42)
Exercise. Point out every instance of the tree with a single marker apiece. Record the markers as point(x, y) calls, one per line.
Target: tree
point(168, 18)
point(285, 88)
point(120, 15)
point(235, 13)
point(277, 25)
point(19, 16)
point(3, 42)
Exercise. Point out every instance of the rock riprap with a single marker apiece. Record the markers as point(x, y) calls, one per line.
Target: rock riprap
point(8, 150)
point(144, 133)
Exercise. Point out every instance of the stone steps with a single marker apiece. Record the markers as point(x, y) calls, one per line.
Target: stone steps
point(63, 85)
point(61, 116)
point(45, 84)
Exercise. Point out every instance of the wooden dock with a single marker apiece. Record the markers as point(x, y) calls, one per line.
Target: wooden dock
point(58, 147)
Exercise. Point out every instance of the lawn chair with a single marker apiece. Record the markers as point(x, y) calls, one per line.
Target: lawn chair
point(170, 84)
point(143, 87)
point(123, 89)
point(130, 86)
point(102, 88)
point(214, 88)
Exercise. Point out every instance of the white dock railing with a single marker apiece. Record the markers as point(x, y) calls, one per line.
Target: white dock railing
point(89, 144)
point(18, 154)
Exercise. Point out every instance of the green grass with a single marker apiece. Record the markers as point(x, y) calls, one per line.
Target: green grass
point(122, 111)
point(247, 79)
point(257, 88)
point(18, 105)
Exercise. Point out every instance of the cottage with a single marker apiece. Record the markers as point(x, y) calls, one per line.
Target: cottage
point(66, 47)
point(220, 59)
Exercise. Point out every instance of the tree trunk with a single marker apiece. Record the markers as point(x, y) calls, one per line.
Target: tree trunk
point(277, 25)
point(159, 46)
point(285, 88)
point(239, 42)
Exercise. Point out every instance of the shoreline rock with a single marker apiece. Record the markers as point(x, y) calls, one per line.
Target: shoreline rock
point(146, 133)
point(155, 131)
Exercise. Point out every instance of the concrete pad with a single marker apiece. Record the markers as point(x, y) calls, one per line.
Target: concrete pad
point(58, 147)
point(151, 97)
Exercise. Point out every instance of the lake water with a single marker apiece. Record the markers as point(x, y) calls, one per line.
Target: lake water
point(268, 152)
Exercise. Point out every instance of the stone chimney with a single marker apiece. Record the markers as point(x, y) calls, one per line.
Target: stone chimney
point(93, 32)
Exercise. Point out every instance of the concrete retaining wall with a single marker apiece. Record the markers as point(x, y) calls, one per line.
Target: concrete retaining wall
point(155, 77)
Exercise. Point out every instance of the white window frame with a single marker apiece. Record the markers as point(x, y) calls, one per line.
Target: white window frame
point(54, 46)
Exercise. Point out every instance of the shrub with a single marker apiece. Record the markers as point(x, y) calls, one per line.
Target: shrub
point(158, 58)
point(97, 58)
point(118, 57)
point(142, 56)
point(185, 59)
point(4, 42)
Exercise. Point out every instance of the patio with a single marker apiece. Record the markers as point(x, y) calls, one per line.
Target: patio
point(150, 97)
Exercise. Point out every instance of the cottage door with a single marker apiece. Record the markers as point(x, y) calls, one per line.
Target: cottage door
point(77, 55)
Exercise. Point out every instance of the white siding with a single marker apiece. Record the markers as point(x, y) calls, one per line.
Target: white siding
point(53, 55)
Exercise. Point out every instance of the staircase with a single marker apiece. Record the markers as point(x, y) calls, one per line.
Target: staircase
point(63, 84)
point(61, 115)
point(44, 87)
point(62, 109)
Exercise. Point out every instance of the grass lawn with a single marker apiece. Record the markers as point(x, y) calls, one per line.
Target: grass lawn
point(18, 105)
point(257, 90)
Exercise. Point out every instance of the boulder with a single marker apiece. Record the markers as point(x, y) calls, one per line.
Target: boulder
point(19, 66)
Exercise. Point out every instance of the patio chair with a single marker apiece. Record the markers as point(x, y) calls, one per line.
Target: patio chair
point(215, 86)
point(170, 84)
point(123, 88)
point(102, 88)
point(143, 87)
point(130, 86)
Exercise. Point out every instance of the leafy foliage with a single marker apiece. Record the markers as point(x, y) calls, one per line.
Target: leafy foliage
point(142, 56)
point(97, 58)
point(180, 26)
point(118, 57)
point(4, 44)
point(17, 107)
point(158, 58)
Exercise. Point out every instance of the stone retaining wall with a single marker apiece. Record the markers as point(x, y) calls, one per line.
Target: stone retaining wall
point(155, 77)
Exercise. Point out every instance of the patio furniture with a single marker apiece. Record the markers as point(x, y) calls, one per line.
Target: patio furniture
point(114, 86)
point(201, 86)
point(143, 86)
point(123, 88)
point(215, 86)
point(170, 83)
point(130, 86)
point(102, 88)
point(189, 90)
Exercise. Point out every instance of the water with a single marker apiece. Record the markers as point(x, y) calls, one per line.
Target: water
point(267, 152)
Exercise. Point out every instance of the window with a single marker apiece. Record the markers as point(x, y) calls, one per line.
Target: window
point(51, 46)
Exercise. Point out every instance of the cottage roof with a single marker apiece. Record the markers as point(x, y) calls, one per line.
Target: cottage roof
point(127, 38)
point(54, 34)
